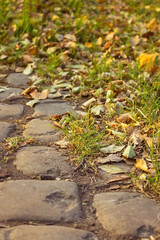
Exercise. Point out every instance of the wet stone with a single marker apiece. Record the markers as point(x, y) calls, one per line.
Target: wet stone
point(8, 92)
point(45, 233)
point(42, 201)
point(41, 130)
point(10, 111)
point(125, 213)
point(39, 160)
point(47, 109)
point(5, 129)
point(17, 79)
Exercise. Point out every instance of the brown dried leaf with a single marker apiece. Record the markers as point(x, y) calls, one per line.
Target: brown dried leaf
point(39, 95)
point(134, 41)
point(27, 91)
point(125, 118)
point(27, 58)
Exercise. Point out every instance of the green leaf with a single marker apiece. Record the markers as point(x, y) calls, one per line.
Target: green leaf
point(129, 152)
point(112, 149)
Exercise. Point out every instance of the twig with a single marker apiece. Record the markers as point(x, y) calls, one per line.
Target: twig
point(80, 165)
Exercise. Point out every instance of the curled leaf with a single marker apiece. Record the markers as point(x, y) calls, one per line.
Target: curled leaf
point(32, 103)
point(28, 70)
point(39, 95)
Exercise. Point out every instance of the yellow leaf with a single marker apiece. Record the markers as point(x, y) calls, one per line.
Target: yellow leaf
point(152, 25)
point(99, 41)
point(141, 164)
point(54, 17)
point(148, 61)
point(109, 61)
point(70, 44)
point(110, 36)
point(87, 44)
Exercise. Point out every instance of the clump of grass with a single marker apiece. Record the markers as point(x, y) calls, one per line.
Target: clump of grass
point(14, 143)
point(154, 180)
point(84, 137)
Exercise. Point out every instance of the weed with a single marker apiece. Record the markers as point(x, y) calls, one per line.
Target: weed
point(5, 159)
point(84, 136)
point(13, 143)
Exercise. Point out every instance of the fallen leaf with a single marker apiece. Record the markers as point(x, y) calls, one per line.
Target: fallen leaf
point(149, 61)
point(141, 164)
point(134, 41)
point(97, 110)
point(55, 95)
point(107, 45)
point(63, 85)
point(3, 75)
point(112, 149)
point(119, 134)
point(27, 58)
point(51, 50)
point(111, 168)
point(70, 44)
point(39, 95)
point(28, 70)
point(2, 90)
point(88, 103)
point(77, 90)
point(70, 37)
point(27, 91)
point(136, 138)
point(99, 41)
point(54, 17)
point(32, 103)
point(152, 25)
point(110, 36)
point(129, 152)
point(33, 50)
point(88, 45)
point(56, 124)
point(118, 177)
point(108, 159)
point(62, 143)
point(125, 118)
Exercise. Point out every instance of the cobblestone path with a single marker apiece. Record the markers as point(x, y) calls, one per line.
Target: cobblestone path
point(42, 198)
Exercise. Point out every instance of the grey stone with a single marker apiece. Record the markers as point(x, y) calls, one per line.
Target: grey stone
point(33, 200)
point(5, 129)
point(24, 232)
point(41, 130)
point(8, 91)
point(39, 160)
point(17, 79)
point(48, 109)
point(125, 213)
point(10, 111)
